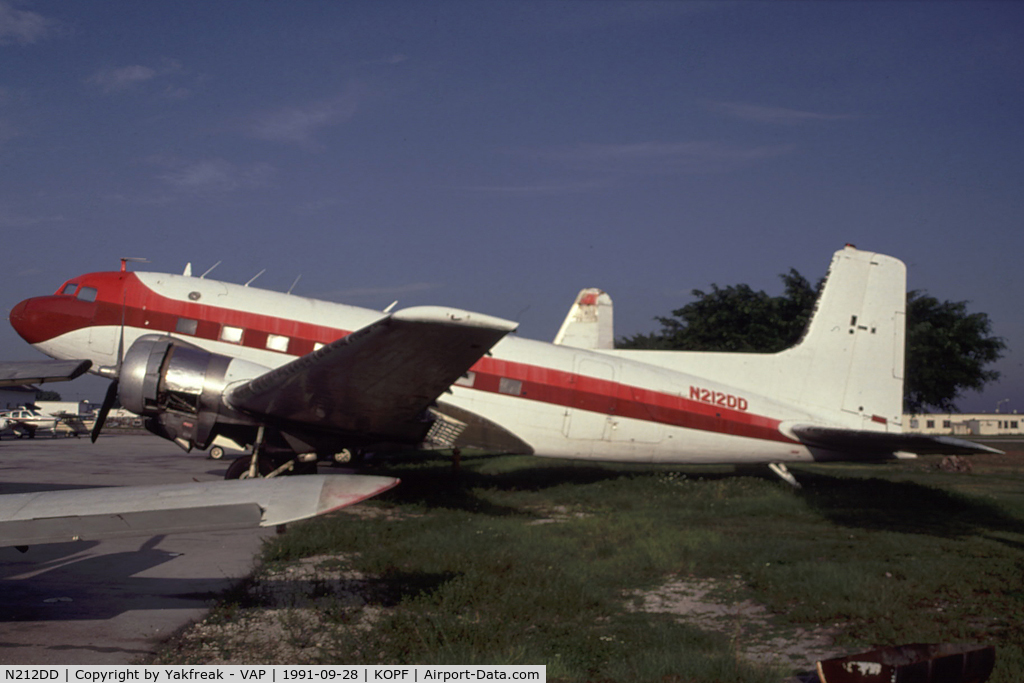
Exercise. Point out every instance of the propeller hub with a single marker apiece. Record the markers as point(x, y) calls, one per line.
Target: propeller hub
point(108, 371)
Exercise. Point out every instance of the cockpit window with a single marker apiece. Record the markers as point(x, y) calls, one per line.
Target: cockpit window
point(87, 294)
point(69, 288)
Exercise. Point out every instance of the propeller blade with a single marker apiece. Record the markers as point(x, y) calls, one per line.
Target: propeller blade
point(108, 403)
point(108, 400)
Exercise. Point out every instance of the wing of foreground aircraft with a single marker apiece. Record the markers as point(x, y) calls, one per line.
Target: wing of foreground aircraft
point(90, 514)
point(378, 380)
point(39, 371)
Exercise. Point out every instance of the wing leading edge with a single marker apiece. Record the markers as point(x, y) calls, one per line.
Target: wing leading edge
point(885, 444)
point(379, 380)
point(38, 371)
point(91, 514)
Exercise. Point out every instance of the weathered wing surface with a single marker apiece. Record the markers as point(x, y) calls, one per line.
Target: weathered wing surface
point(89, 514)
point(874, 444)
point(378, 381)
point(14, 372)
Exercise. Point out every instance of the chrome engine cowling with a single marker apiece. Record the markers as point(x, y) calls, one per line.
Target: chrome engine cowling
point(178, 388)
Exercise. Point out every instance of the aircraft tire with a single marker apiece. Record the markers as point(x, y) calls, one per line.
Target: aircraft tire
point(239, 468)
point(305, 467)
point(216, 452)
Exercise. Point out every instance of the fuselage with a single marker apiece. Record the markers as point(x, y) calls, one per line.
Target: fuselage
point(560, 401)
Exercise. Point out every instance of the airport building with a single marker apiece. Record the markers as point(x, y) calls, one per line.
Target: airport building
point(965, 424)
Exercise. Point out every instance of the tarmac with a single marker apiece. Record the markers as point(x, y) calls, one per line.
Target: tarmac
point(113, 601)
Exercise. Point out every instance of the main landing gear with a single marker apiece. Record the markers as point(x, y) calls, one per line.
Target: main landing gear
point(268, 466)
point(264, 465)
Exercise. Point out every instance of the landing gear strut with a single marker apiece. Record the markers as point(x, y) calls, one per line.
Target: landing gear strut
point(265, 465)
point(783, 473)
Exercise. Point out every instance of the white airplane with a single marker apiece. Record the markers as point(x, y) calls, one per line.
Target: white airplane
point(299, 379)
point(28, 421)
point(92, 514)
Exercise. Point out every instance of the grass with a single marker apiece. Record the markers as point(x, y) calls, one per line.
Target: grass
point(523, 560)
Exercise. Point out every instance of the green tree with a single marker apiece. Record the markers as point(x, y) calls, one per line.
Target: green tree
point(45, 395)
point(947, 351)
point(948, 348)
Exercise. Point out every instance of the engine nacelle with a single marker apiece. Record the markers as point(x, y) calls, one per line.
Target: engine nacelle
point(179, 386)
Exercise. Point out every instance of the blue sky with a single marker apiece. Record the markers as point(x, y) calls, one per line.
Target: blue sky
point(500, 156)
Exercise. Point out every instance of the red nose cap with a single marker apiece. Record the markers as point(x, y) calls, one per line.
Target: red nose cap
point(44, 317)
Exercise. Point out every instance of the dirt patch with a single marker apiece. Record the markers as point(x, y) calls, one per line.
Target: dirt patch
point(284, 615)
point(757, 634)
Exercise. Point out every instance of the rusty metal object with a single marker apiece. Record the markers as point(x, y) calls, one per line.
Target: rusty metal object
point(943, 663)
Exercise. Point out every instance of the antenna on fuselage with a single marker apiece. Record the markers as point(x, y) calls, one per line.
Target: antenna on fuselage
point(133, 259)
point(255, 276)
point(188, 269)
point(294, 283)
point(391, 307)
point(208, 270)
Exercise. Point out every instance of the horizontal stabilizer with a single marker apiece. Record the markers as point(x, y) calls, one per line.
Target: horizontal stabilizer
point(90, 514)
point(885, 443)
point(14, 372)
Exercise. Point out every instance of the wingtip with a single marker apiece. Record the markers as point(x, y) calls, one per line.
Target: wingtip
point(454, 316)
point(344, 490)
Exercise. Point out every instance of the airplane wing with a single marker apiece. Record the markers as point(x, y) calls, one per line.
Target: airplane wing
point(885, 443)
point(380, 379)
point(90, 514)
point(38, 371)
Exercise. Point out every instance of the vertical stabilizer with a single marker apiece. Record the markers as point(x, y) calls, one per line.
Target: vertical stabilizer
point(850, 361)
point(589, 323)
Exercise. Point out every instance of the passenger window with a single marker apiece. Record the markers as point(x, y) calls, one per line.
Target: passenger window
point(87, 294)
point(277, 342)
point(186, 326)
point(232, 335)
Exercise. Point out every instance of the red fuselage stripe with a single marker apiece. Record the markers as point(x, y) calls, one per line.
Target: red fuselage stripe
point(144, 309)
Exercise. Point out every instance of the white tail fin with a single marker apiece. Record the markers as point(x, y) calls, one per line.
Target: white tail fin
point(847, 369)
point(589, 324)
point(850, 361)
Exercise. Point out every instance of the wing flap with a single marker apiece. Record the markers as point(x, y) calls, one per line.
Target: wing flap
point(90, 514)
point(38, 371)
point(875, 444)
point(379, 380)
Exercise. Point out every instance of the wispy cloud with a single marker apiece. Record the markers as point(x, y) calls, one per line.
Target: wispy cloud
point(22, 26)
point(15, 220)
point(122, 78)
point(774, 115)
point(301, 123)
point(593, 167)
point(657, 158)
point(543, 189)
point(215, 175)
point(393, 292)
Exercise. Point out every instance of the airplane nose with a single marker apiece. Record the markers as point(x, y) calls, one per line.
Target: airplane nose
point(42, 318)
point(21, 320)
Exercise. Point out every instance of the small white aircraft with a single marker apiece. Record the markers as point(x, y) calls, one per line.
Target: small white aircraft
point(28, 421)
point(301, 380)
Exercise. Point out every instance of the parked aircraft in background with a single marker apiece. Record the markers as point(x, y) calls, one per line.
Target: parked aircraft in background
point(300, 379)
point(25, 421)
